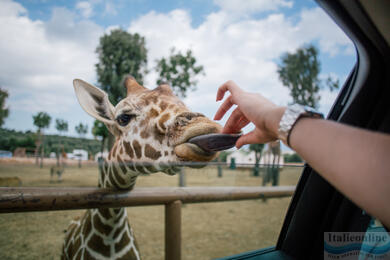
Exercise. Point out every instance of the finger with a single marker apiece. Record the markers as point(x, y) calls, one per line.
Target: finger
point(236, 121)
point(249, 138)
point(242, 123)
point(229, 85)
point(226, 105)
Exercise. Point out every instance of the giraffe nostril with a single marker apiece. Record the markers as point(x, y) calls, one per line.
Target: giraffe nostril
point(187, 116)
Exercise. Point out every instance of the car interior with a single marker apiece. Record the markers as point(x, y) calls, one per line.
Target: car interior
point(363, 101)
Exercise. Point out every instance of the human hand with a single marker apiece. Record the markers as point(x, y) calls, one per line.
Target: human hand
point(251, 107)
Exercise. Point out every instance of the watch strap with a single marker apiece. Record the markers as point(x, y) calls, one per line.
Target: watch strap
point(290, 117)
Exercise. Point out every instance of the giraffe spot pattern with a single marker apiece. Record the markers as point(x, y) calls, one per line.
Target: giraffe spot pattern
point(128, 149)
point(163, 105)
point(158, 135)
point(129, 255)
point(145, 134)
point(105, 213)
point(96, 243)
point(120, 229)
point(137, 149)
point(100, 226)
point(152, 153)
point(153, 113)
point(125, 240)
point(163, 119)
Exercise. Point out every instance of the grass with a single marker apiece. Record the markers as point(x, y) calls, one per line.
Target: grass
point(209, 230)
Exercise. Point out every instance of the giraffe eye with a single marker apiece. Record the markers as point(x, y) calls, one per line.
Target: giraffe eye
point(124, 119)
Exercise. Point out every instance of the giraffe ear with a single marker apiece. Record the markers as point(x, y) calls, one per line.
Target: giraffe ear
point(94, 101)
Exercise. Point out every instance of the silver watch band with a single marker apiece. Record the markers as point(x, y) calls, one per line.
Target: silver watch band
point(292, 114)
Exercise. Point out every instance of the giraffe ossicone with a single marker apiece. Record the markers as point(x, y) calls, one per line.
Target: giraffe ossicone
point(151, 128)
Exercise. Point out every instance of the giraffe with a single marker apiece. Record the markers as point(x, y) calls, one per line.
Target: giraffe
point(273, 159)
point(150, 126)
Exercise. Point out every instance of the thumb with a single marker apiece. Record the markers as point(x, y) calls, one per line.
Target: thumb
point(249, 138)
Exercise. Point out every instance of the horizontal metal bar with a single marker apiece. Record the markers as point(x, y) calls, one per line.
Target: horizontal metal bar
point(23, 199)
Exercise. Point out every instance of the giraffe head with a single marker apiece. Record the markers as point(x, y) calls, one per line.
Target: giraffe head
point(150, 126)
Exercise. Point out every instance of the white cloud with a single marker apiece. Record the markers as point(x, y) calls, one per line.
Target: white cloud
point(316, 24)
point(85, 8)
point(110, 8)
point(10, 9)
point(243, 50)
point(40, 59)
point(251, 6)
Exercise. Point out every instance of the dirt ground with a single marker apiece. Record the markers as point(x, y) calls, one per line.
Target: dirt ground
point(209, 230)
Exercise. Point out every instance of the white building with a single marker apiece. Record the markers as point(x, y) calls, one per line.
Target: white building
point(100, 154)
point(78, 154)
point(249, 157)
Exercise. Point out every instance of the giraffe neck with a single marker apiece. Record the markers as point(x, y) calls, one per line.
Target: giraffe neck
point(116, 175)
point(111, 235)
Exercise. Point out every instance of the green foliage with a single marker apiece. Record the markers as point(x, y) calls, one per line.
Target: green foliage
point(299, 72)
point(292, 158)
point(100, 130)
point(223, 155)
point(258, 149)
point(11, 139)
point(81, 129)
point(41, 120)
point(120, 53)
point(3, 110)
point(179, 71)
point(61, 125)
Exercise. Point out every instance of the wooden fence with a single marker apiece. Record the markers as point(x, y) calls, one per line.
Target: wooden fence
point(25, 199)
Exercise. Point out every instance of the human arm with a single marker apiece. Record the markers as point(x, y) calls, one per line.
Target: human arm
point(353, 160)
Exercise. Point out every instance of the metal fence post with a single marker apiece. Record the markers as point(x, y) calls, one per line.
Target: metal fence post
point(173, 230)
point(182, 177)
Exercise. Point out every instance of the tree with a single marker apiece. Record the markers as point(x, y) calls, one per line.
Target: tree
point(120, 53)
point(3, 110)
point(258, 149)
point(61, 126)
point(100, 130)
point(41, 121)
point(179, 71)
point(81, 129)
point(292, 158)
point(299, 72)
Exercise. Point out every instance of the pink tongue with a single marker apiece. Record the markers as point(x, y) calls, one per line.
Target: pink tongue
point(215, 142)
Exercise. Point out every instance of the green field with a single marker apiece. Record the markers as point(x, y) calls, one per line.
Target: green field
point(209, 230)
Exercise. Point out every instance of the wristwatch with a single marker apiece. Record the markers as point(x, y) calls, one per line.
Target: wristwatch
point(291, 116)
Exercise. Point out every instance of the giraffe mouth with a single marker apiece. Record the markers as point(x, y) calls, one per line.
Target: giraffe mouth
point(192, 152)
point(188, 151)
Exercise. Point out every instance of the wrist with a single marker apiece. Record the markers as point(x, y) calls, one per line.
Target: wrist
point(292, 114)
point(273, 121)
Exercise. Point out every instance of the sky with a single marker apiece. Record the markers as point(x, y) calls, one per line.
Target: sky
point(46, 44)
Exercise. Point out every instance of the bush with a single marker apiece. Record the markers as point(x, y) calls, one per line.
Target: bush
point(292, 158)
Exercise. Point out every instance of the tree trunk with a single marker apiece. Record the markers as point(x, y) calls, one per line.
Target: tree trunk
point(219, 167)
point(36, 153)
point(42, 151)
point(102, 148)
point(111, 141)
point(256, 169)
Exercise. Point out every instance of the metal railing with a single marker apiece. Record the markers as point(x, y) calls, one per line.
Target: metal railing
point(25, 199)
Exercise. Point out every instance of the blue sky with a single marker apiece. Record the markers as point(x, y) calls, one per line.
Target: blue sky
point(49, 43)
